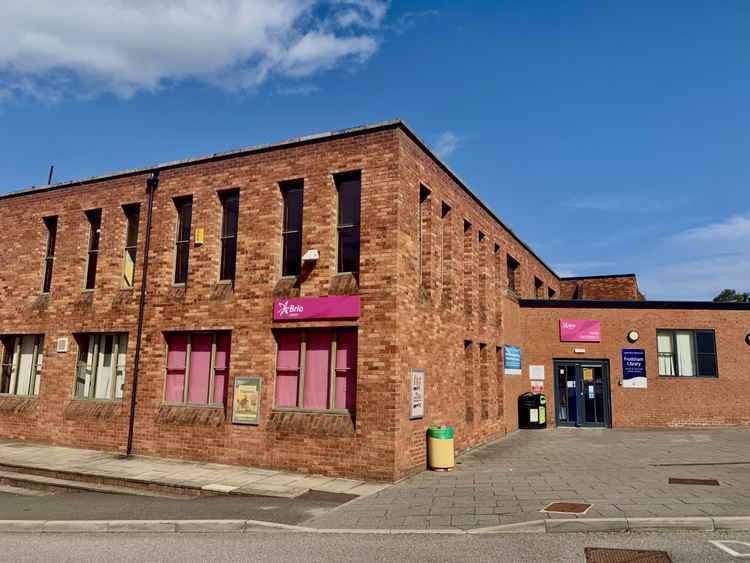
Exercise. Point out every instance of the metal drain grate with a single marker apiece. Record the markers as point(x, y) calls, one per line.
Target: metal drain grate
point(607, 555)
point(567, 507)
point(678, 481)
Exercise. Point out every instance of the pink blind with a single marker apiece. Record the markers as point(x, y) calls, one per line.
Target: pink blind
point(200, 368)
point(221, 373)
point(287, 366)
point(346, 370)
point(317, 366)
point(176, 355)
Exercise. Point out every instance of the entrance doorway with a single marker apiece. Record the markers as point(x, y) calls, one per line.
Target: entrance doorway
point(582, 393)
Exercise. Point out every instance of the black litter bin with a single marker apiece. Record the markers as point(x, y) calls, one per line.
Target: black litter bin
point(532, 411)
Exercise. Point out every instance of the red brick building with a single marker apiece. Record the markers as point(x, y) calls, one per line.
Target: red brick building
point(273, 306)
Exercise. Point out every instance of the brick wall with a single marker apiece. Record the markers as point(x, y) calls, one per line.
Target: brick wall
point(601, 288)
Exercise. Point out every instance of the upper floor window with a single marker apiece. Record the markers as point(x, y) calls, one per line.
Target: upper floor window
point(292, 193)
point(100, 372)
point(132, 218)
point(349, 188)
point(49, 257)
point(184, 207)
point(513, 274)
point(687, 353)
point(21, 366)
point(197, 367)
point(551, 293)
point(230, 206)
point(94, 217)
point(423, 231)
point(538, 288)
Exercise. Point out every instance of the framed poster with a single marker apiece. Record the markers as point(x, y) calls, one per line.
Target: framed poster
point(512, 360)
point(246, 403)
point(417, 394)
point(634, 368)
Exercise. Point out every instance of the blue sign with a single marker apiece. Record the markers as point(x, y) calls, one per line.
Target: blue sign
point(512, 360)
point(634, 368)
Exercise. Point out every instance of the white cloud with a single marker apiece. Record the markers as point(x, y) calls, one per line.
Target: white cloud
point(583, 268)
point(48, 49)
point(298, 90)
point(446, 143)
point(736, 227)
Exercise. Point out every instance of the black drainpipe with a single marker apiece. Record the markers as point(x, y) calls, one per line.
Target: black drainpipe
point(151, 184)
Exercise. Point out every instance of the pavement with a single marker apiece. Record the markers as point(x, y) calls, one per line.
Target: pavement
point(176, 475)
point(279, 546)
point(624, 474)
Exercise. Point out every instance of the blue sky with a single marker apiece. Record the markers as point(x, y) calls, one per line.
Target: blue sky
point(612, 136)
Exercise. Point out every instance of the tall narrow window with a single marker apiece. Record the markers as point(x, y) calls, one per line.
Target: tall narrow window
point(513, 281)
point(551, 293)
point(423, 230)
point(230, 205)
point(445, 251)
point(21, 366)
point(538, 288)
point(198, 367)
point(100, 373)
point(95, 229)
point(349, 187)
point(132, 218)
point(292, 193)
point(49, 257)
point(184, 207)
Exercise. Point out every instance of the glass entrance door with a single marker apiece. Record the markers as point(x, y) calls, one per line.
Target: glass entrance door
point(582, 393)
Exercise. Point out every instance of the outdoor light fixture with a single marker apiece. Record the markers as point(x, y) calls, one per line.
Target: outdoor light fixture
point(633, 336)
point(747, 339)
point(311, 256)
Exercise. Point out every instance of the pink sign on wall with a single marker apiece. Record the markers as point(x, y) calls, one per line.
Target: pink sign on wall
point(580, 330)
point(306, 308)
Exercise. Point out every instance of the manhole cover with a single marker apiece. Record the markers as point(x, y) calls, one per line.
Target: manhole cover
point(678, 481)
point(607, 555)
point(567, 507)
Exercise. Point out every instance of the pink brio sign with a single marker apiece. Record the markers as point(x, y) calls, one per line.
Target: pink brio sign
point(306, 308)
point(580, 330)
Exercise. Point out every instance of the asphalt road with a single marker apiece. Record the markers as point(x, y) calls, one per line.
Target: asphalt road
point(290, 547)
point(99, 506)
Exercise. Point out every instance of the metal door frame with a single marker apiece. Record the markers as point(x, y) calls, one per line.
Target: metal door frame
point(557, 363)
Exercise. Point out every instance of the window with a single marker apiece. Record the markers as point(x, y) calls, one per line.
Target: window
point(687, 353)
point(445, 249)
point(551, 293)
point(291, 231)
point(95, 230)
point(423, 229)
point(49, 257)
point(100, 371)
point(317, 369)
point(538, 288)
point(132, 217)
point(184, 207)
point(349, 187)
point(230, 205)
point(513, 271)
point(197, 367)
point(22, 364)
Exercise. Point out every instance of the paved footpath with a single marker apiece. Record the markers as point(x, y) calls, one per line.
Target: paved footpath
point(623, 473)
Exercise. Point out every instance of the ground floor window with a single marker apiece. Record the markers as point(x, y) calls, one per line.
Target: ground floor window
point(100, 373)
point(22, 364)
point(317, 369)
point(687, 353)
point(197, 367)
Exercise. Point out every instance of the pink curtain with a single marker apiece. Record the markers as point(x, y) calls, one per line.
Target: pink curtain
point(346, 369)
point(287, 369)
point(317, 366)
point(200, 368)
point(221, 373)
point(176, 354)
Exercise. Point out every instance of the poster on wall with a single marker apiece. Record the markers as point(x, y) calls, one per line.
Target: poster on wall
point(417, 394)
point(634, 368)
point(246, 403)
point(536, 372)
point(512, 360)
point(580, 330)
point(537, 386)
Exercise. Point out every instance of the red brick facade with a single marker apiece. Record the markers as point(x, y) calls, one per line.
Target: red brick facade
point(443, 305)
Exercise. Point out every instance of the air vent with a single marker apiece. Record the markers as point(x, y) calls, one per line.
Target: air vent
point(62, 344)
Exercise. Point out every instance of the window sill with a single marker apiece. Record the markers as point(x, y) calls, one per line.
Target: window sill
point(93, 400)
point(179, 284)
point(225, 282)
point(14, 396)
point(313, 411)
point(688, 377)
point(193, 405)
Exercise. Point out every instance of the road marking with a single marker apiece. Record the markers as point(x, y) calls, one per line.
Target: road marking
point(722, 544)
